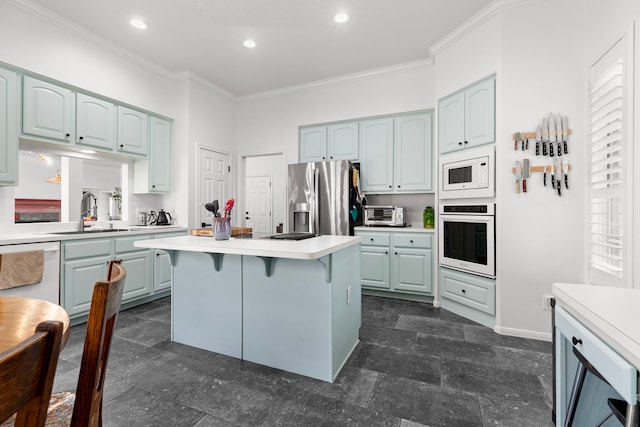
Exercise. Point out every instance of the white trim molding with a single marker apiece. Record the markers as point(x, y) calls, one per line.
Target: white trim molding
point(493, 9)
point(523, 333)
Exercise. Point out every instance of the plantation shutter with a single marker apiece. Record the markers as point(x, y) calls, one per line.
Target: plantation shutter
point(609, 205)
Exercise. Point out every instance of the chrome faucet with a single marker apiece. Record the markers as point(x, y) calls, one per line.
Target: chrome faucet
point(85, 196)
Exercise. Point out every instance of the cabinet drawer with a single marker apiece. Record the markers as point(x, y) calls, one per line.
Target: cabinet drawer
point(617, 371)
point(374, 239)
point(125, 244)
point(411, 240)
point(473, 291)
point(87, 248)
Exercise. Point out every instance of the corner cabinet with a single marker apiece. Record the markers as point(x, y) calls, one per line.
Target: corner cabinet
point(399, 263)
point(95, 122)
point(331, 142)
point(48, 111)
point(153, 175)
point(132, 131)
point(8, 128)
point(467, 117)
point(396, 154)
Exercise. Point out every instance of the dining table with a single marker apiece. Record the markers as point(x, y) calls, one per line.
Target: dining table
point(20, 316)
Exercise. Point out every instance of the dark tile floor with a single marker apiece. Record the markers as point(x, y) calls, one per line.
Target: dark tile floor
point(415, 365)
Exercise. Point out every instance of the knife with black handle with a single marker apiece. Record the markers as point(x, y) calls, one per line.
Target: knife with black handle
point(559, 174)
point(544, 176)
point(552, 133)
point(559, 133)
point(553, 177)
point(565, 133)
point(566, 174)
point(538, 139)
point(545, 136)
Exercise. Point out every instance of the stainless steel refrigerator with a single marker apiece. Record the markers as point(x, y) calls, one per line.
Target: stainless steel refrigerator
point(324, 198)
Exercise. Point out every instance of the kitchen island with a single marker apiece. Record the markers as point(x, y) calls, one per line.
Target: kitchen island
point(291, 305)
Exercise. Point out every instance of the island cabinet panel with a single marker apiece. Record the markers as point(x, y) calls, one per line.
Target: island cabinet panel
point(303, 323)
point(206, 305)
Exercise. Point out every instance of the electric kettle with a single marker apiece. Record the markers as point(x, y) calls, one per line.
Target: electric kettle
point(162, 218)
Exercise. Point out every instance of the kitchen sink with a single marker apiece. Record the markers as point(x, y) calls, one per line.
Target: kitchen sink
point(98, 231)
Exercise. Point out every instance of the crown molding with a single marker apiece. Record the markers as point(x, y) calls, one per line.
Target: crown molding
point(399, 68)
point(191, 76)
point(493, 9)
point(76, 30)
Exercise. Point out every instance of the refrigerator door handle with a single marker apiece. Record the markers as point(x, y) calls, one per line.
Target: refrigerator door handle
point(314, 225)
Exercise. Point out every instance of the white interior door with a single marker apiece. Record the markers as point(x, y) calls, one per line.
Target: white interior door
point(258, 204)
point(213, 181)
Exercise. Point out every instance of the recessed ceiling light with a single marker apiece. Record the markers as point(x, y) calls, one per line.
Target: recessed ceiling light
point(249, 43)
point(139, 24)
point(341, 17)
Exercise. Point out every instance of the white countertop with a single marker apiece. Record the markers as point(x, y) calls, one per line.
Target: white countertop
point(612, 314)
point(408, 229)
point(18, 238)
point(313, 248)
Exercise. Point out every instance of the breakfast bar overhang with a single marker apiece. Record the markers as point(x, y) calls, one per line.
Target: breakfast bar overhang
point(291, 305)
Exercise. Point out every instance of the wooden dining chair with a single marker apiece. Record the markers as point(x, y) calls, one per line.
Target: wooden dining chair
point(84, 407)
point(26, 375)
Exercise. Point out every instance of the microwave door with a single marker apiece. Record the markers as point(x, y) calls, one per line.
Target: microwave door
point(460, 175)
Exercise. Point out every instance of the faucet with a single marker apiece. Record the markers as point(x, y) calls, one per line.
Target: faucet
point(85, 196)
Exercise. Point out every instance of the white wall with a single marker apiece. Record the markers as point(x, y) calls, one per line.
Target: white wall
point(270, 123)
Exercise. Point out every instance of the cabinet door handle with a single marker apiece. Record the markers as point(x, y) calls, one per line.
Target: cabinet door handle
point(372, 239)
point(121, 145)
point(390, 186)
point(464, 291)
point(157, 253)
point(386, 252)
point(466, 142)
point(395, 253)
point(410, 241)
point(398, 186)
point(576, 341)
point(460, 143)
point(331, 157)
point(81, 138)
point(153, 186)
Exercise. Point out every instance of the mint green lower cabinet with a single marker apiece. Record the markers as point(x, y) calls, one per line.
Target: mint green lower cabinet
point(161, 271)
point(375, 267)
point(412, 270)
point(8, 128)
point(79, 277)
point(138, 281)
point(398, 263)
point(468, 295)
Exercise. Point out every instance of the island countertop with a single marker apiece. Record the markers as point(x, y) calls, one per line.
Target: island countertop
point(312, 248)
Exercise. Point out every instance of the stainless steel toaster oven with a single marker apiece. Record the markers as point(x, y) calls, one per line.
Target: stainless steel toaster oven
point(389, 216)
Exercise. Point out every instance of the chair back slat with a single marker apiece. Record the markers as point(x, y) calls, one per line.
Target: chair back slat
point(27, 372)
point(105, 305)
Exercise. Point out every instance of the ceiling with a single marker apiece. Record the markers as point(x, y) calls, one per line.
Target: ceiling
point(297, 40)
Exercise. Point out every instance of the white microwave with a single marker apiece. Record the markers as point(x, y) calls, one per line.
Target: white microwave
point(468, 173)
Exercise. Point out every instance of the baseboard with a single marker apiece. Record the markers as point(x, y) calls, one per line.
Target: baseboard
point(522, 333)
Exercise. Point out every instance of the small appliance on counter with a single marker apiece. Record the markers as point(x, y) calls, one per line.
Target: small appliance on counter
point(162, 218)
point(384, 216)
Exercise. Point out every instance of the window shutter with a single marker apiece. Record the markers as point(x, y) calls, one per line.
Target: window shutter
point(608, 202)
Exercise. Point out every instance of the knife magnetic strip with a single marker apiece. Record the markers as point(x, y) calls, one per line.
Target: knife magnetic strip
point(519, 136)
point(540, 168)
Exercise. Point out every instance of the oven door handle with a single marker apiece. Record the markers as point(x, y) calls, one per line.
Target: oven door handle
point(52, 249)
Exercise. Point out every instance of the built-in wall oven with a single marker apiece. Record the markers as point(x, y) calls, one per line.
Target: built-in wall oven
point(467, 238)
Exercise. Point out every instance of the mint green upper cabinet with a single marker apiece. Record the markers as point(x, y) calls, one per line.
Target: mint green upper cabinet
point(160, 156)
point(451, 123)
point(8, 128)
point(376, 155)
point(342, 141)
point(48, 111)
point(132, 131)
point(413, 152)
point(467, 118)
point(95, 122)
point(329, 142)
point(313, 144)
point(479, 113)
point(153, 174)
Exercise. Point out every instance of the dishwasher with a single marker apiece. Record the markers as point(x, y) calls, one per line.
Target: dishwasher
point(49, 288)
